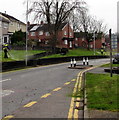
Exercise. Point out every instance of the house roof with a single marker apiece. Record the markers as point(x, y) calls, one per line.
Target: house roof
point(44, 27)
point(79, 34)
point(11, 17)
point(4, 19)
point(31, 26)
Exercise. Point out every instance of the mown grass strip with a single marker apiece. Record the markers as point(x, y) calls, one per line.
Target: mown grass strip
point(102, 92)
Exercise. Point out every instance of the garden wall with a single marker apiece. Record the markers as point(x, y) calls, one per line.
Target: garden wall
point(6, 66)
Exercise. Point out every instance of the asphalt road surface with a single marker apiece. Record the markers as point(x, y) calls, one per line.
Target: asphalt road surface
point(22, 87)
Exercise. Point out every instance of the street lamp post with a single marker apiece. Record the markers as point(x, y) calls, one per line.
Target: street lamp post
point(110, 53)
point(26, 32)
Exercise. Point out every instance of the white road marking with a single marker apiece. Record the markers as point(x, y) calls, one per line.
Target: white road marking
point(6, 92)
point(5, 80)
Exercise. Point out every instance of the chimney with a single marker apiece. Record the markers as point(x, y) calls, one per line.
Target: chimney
point(28, 23)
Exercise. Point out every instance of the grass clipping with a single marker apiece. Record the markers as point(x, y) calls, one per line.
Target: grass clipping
point(102, 91)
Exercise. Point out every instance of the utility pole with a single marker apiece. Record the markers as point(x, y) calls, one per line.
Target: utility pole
point(94, 43)
point(110, 53)
point(68, 33)
point(26, 31)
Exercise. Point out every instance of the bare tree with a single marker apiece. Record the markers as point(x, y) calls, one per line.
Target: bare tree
point(54, 12)
point(89, 25)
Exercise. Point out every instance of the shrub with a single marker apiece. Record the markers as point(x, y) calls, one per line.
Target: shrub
point(64, 51)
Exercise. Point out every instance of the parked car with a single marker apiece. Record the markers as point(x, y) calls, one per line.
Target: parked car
point(116, 58)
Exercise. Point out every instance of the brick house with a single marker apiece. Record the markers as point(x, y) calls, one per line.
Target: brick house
point(80, 41)
point(40, 34)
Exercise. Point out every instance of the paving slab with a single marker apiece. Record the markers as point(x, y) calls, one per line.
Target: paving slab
point(99, 70)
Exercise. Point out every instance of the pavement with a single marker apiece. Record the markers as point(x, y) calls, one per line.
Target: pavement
point(99, 70)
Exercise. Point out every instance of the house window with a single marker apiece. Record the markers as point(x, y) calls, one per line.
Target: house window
point(47, 33)
point(70, 34)
point(0, 23)
point(76, 39)
point(40, 32)
point(32, 33)
point(18, 25)
point(5, 39)
point(39, 40)
point(65, 42)
point(65, 32)
point(76, 45)
point(11, 23)
point(70, 44)
point(46, 42)
point(82, 39)
point(91, 46)
point(5, 25)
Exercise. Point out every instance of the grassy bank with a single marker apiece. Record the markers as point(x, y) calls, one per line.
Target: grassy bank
point(75, 52)
point(18, 55)
point(102, 91)
point(21, 54)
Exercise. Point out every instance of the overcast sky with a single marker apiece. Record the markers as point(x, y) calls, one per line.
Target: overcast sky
point(105, 10)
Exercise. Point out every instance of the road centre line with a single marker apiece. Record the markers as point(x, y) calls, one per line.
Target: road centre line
point(67, 83)
point(57, 89)
point(5, 80)
point(73, 80)
point(46, 95)
point(30, 104)
point(8, 117)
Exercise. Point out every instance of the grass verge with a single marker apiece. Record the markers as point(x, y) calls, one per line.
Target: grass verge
point(102, 92)
point(75, 52)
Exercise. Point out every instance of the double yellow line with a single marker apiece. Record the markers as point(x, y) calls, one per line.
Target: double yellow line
point(73, 113)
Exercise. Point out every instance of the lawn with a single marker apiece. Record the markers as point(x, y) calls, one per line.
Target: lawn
point(102, 92)
point(18, 55)
point(75, 52)
point(21, 54)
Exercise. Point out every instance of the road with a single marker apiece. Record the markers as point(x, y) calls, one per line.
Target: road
point(22, 87)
